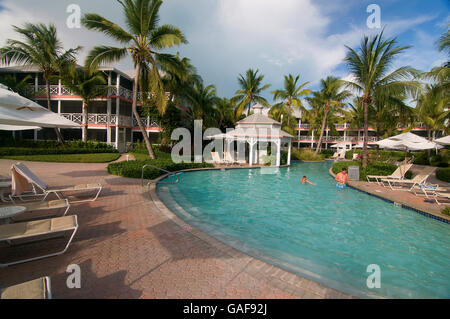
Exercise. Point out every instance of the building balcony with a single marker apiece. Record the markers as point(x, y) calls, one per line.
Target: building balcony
point(56, 90)
point(336, 139)
point(104, 120)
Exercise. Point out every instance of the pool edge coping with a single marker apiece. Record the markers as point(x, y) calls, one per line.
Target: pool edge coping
point(443, 218)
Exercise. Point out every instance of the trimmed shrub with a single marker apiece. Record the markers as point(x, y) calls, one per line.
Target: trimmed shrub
point(446, 211)
point(133, 169)
point(443, 174)
point(11, 147)
point(306, 154)
point(327, 153)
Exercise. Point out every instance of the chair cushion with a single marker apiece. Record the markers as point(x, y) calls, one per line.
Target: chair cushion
point(37, 228)
point(35, 289)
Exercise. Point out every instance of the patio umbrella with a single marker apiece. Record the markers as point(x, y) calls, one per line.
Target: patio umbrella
point(15, 110)
point(408, 142)
point(443, 141)
point(18, 128)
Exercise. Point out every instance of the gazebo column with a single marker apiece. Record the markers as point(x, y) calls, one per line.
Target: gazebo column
point(289, 152)
point(252, 143)
point(278, 144)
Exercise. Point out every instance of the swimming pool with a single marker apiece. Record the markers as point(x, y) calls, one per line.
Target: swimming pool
point(319, 232)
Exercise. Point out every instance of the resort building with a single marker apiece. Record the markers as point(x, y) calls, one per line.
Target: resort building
point(110, 117)
point(346, 137)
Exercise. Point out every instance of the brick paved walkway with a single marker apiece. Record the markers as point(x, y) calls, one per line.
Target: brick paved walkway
point(128, 248)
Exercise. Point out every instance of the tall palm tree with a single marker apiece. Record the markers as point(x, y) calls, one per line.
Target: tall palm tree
point(201, 103)
point(330, 96)
point(290, 96)
point(432, 109)
point(41, 48)
point(370, 68)
point(225, 112)
point(142, 39)
point(88, 85)
point(250, 91)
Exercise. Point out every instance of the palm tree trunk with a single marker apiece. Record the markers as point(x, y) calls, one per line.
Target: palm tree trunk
point(136, 114)
point(85, 121)
point(324, 123)
point(366, 132)
point(49, 106)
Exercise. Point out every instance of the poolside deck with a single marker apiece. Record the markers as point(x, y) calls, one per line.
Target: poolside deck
point(127, 247)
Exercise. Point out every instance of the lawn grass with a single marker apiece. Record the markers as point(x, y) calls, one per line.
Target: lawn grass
point(67, 158)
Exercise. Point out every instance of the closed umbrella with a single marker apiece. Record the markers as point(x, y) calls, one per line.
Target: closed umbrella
point(15, 110)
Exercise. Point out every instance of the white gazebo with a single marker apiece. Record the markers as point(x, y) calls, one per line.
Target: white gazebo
point(257, 131)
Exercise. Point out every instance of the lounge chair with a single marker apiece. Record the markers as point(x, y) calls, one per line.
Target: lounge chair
point(398, 174)
point(335, 155)
point(34, 209)
point(419, 179)
point(229, 159)
point(432, 192)
point(35, 289)
point(34, 231)
point(216, 158)
point(342, 156)
point(26, 184)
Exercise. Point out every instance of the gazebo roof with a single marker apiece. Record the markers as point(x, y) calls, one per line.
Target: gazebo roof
point(258, 118)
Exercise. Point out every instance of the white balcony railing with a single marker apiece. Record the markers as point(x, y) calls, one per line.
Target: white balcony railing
point(332, 139)
point(105, 119)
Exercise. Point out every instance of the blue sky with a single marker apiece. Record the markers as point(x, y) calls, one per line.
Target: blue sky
point(227, 37)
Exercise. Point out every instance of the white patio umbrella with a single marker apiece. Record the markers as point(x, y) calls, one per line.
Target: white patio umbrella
point(408, 142)
point(15, 110)
point(443, 141)
point(18, 128)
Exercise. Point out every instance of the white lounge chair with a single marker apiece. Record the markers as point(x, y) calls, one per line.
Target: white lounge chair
point(35, 289)
point(229, 159)
point(398, 174)
point(26, 184)
point(419, 179)
point(335, 155)
point(37, 231)
point(52, 208)
point(432, 192)
point(216, 158)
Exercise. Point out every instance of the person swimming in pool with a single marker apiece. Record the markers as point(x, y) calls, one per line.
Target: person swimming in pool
point(342, 178)
point(305, 180)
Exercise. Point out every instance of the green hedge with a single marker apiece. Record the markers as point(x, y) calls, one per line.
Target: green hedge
point(9, 147)
point(306, 154)
point(443, 174)
point(375, 168)
point(133, 169)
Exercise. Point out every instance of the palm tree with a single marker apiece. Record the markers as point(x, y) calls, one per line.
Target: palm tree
point(225, 112)
point(290, 95)
point(432, 109)
point(250, 91)
point(201, 103)
point(22, 87)
point(42, 48)
point(142, 39)
point(88, 85)
point(370, 70)
point(329, 97)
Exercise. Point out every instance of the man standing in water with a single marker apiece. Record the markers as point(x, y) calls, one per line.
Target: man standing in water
point(342, 178)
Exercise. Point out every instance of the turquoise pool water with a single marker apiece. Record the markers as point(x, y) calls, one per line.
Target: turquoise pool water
point(319, 232)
